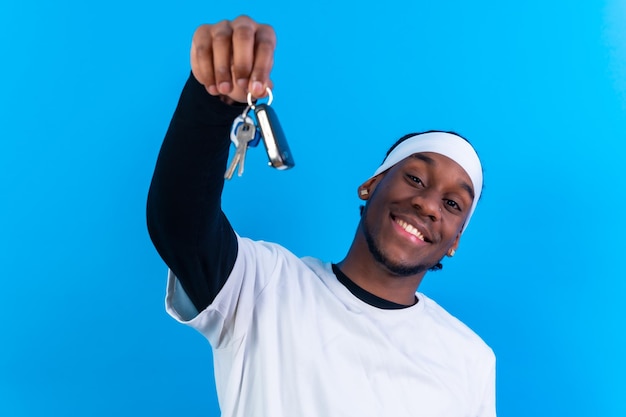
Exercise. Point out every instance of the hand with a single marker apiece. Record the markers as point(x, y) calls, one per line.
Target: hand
point(232, 58)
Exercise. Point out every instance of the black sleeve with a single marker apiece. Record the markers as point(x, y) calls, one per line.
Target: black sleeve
point(184, 217)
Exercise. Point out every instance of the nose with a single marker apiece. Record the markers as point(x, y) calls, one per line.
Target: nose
point(427, 205)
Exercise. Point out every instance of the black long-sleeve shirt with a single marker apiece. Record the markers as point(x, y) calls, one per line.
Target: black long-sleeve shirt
point(185, 220)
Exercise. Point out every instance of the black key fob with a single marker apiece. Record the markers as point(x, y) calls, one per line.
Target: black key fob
point(273, 137)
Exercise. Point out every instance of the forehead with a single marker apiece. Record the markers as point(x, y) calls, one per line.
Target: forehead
point(445, 169)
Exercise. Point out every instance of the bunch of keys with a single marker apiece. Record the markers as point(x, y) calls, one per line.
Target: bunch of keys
point(246, 133)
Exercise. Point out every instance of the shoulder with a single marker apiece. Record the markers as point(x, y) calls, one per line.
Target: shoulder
point(453, 328)
point(275, 259)
point(262, 251)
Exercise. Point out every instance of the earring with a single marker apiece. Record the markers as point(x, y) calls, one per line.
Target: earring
point(363, 192)
point(451, 253)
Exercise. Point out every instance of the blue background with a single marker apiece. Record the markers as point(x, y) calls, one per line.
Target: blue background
point(86, 94)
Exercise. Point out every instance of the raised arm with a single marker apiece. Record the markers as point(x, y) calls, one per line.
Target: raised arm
point(185, 220)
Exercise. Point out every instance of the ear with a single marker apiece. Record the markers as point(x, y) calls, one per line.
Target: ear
point(366, 189)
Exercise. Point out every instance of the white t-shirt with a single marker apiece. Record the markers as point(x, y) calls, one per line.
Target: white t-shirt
point(289, 340)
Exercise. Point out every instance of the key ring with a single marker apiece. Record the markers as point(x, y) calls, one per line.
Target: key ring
point(269, 100)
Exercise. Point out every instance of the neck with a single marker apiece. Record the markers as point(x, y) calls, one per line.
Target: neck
point(375, 278)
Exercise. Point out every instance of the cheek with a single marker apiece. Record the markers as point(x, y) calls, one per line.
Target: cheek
point(371, 215)
point(451, 224)
point(374, 216)
point(453, 232)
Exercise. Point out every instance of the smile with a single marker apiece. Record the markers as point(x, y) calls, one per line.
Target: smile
point(409, 229)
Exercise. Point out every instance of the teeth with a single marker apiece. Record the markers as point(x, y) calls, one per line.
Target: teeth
point(412, 230)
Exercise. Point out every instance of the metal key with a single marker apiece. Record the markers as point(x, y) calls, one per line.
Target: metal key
point(239, 120)
point(245, 134)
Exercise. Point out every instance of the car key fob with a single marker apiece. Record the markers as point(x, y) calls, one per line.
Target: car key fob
point(278, 152)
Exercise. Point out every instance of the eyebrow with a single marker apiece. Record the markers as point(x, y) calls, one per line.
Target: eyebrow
point(468, 188)
point(421, 157)
point(430, 161)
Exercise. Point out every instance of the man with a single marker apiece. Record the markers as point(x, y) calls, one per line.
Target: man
point(300, 337)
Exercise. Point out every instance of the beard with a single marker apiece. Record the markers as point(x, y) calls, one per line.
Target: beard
point(397, 268)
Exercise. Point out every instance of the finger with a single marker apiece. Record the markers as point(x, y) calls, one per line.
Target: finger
point(265, 44)
point(221, 35)
point(202, 58)
point(243, 49)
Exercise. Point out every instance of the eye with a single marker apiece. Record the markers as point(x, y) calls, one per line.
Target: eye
point(453, 204)
point(414, 179)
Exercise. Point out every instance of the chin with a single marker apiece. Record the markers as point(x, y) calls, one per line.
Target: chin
point(404, 270)
point(399, 268)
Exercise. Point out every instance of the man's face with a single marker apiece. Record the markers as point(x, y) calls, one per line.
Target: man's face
point(416, 211)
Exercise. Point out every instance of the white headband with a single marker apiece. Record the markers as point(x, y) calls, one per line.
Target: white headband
point(446, 144)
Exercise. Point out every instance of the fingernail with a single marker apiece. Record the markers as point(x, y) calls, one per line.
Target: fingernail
point(242, 83)
point(257, 88)
point(224, 87)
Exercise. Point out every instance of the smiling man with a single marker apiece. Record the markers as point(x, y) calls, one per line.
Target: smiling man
point(419, 201)
point(298, 336)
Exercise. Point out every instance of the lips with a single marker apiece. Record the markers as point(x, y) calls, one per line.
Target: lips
point(410, 229)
